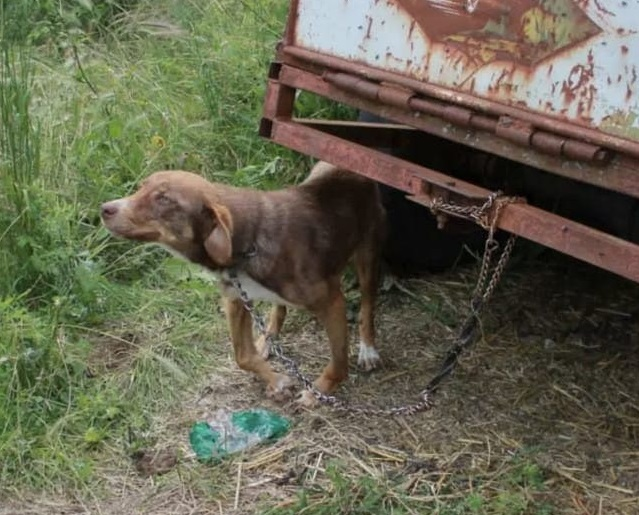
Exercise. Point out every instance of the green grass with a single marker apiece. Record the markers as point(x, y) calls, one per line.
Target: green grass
point(516, 490)
point(95, 97)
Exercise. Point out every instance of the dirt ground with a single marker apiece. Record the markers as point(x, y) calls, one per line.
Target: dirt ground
point(542, 416)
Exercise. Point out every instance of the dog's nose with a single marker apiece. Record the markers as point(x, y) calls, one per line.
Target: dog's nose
point(109, 209)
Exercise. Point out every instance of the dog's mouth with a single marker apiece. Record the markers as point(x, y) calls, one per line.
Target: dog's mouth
point(147, 236)
point(128, 232)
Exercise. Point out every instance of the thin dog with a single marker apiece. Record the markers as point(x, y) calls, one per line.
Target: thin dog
point(289, 247)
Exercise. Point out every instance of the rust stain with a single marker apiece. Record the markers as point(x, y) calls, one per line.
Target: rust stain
point(528, 53)
point(601, 8)
point(411, 29)
point(579, 86)
point(523, 31)
point(389, 56)
point(576, 79)
point(500, 79)
point(516, 36)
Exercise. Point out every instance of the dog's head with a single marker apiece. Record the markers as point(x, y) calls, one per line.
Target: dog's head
point(177, 210)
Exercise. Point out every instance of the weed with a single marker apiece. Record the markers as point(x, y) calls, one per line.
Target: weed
point(345, 493)
point(361, 495)
point(51, 21)
point(94, 341)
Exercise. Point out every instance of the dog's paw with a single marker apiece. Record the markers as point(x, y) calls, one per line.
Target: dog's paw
point(368, 358)
point(281, 388)
point(262, 347)
point(306, 401)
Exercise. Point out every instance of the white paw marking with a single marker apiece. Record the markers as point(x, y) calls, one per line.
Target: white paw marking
point(368, 357)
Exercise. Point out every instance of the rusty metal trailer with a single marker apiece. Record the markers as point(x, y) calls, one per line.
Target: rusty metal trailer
point(549, 87)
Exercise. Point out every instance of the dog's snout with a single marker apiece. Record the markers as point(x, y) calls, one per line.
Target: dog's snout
point(109, 209)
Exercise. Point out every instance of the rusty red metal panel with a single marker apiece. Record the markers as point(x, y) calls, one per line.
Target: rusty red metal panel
point(291, 22)
point(553, 231)
point(384, 168)
point(381, 135)
point(299, 56)
point(511, 129)
point(515, 130)
point(279, 99)
point(592, 246)
point(570, 61)
point(572, 238)
point(619, 175)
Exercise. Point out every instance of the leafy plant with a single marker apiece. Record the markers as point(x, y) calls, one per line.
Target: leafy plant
point(43, 21)
point(94, 340)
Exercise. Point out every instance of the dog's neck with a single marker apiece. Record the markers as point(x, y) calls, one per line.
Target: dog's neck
point(247, 210)
point(241, 259)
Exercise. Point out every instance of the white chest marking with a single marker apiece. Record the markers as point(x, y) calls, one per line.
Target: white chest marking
point(253, 289)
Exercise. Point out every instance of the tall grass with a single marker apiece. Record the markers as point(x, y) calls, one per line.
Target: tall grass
point(19, 159)
point(94, 96)
point(30, 365)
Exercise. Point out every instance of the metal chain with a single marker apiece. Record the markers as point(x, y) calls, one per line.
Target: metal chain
point(487, 216)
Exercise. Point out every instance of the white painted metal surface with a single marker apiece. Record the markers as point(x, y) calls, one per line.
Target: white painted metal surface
point(574, 60)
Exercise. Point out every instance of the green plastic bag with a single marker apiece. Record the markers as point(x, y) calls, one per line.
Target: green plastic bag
point(229, 432)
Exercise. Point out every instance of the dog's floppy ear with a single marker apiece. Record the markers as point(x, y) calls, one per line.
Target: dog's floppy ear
point(218, 243)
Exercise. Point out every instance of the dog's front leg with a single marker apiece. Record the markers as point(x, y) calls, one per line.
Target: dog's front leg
point(275, 322)
point(241, 329)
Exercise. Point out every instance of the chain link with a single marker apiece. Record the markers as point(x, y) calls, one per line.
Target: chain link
point(487, 216)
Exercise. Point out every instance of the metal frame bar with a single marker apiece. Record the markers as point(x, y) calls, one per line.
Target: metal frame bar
point(298, 56)
point(380, 135)
point(562, 234)
point(616, 176)
point(521, 133)
point(578, 240)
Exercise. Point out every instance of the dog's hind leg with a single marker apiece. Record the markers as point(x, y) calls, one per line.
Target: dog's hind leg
point(367, 266)
point(239, 321)
point(332, 315)
point(275, 322)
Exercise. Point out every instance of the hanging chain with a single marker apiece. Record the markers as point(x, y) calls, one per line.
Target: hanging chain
point(487, 216)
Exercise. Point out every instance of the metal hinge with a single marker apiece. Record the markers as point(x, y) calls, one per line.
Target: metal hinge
point(511, 129)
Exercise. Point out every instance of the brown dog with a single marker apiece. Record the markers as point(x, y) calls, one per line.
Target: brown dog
point(289, 247)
